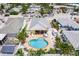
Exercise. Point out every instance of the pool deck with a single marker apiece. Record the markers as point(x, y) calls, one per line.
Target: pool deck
point(51, 42)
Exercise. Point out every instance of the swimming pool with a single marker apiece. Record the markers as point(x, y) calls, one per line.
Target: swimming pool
point(38, 43)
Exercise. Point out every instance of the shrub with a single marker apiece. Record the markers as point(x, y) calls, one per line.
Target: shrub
point(14, 13)
point(22, 35)
point(39, 52)
point(51, 51)
point(20, 52)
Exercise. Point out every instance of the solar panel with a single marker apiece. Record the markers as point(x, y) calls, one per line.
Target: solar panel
point(8, 49)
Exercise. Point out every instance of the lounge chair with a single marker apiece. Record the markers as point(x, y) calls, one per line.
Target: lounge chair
point(45, 35)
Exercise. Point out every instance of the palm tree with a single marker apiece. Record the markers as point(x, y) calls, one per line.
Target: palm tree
point(66, 49)
point(2, 6)
point(38, 52)
point(22, 35)
point(51, 51)
point(42, 12)
point(58, 42)
point(25, 7)
point(20, 52)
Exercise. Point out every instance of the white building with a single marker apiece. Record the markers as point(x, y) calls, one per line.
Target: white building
point(58, 8)
point(73, 38)
point(12, 25)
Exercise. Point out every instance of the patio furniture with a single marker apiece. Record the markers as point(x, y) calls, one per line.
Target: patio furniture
point(45, 35)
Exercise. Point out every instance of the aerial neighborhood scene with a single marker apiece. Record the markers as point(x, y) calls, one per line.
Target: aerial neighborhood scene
point(39, 29)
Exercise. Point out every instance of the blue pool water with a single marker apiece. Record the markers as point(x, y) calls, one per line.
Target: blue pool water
point(38, 43)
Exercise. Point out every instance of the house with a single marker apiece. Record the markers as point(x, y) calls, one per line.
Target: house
point(12, 26)
point(66, 22)
point(59, 8)
point(33, 11)
point(39, 25)
point(72, 37)
point(34, 8)
point(17, 9)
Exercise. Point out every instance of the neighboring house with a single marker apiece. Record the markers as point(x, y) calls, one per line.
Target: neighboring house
point(17, 9)
point(34, 8)
point(65, 21)
point(12, 26)
point(73, 38)
point(58, 8)
point(38, 24)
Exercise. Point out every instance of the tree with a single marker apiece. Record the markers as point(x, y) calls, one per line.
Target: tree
point(76, 9)
point(66, 49)
point(42, 12)
point(22, 35)
point(2, 6)
point(46, 8)
point(58, 42)
point(32, 52)
point(14, 13)
point(77, 52)
point(25, 8)
point(20, 52)
point(45, 5)
point(51, 51)
point(55, 25)
point(38, 52)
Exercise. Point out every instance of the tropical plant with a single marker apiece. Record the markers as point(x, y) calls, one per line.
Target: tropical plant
point(58, 42)
point(20, 52)
point(67, 49)
point(38, 52)
point(14, 13)
point(76, 9)
point(42, 12)
point(51, 51)
point(25, 8)
point(46, 8)
point(32, 52)
point(22, 35)
point(55, 25)
point(77, 52)
point(2, 6)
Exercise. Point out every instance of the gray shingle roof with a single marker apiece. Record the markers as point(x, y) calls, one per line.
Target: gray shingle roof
point(13, 25)
point(38, 24)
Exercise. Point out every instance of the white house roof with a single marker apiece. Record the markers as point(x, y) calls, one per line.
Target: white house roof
point(58, 6)
point(73, 37)
point(34, 6)
point(13, 25)
point(17, 9)
point(38, 24)
point(65, 20)
point(2, 36)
